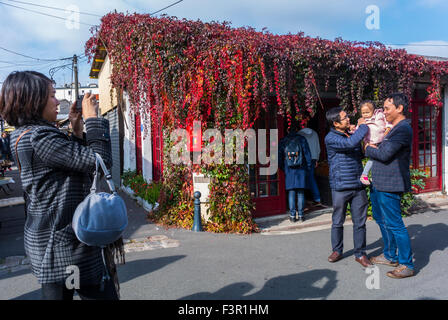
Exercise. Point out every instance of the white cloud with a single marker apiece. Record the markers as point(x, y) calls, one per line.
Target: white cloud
point(434, 48)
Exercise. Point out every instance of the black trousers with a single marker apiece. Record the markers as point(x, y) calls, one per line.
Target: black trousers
point(358, 209)
point(58, 291)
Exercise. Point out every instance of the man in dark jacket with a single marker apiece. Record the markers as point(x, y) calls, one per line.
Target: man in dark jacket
point(391, 178)
point(4, 146)
point(295, 178)
point(344, 159)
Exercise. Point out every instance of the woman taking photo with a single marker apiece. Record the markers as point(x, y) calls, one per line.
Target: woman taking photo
point(55, 173)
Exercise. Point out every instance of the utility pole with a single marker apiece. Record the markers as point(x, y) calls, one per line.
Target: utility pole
point(75, 71)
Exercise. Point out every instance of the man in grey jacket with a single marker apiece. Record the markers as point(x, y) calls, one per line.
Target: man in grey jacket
point(313, 143)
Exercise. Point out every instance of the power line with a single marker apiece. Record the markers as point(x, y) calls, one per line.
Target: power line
point(38, 67)
point(54, 8)
point(166, 7)
point(45, 14)
point(24, 55)
point(23, 63)
point(65, 19)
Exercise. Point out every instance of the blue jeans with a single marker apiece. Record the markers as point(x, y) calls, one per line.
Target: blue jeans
point(386, 211)
point(312, 182)
point(294, 194)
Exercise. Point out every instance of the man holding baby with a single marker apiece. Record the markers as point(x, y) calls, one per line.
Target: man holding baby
point(387, 142)
point(390, 179)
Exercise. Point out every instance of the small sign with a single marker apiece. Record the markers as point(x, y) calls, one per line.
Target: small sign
point(201, 183)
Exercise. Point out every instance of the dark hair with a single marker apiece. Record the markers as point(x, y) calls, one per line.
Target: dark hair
point(333, 115)
point(399, 99)
point(367, 102)
point(23, 97)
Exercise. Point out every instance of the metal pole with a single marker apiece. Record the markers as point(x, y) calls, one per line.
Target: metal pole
point(197, 226)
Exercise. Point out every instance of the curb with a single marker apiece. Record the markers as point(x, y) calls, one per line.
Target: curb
point(14, 264)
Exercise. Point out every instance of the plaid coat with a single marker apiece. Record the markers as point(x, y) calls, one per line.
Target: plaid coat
point(390, 169)
point(56, 177)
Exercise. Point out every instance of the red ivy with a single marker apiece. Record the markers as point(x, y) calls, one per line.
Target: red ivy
point(179, 70)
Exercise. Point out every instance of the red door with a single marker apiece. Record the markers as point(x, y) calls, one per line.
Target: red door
point(157, 151)
point(138, 143)
point(427, 143)
point(268, 192)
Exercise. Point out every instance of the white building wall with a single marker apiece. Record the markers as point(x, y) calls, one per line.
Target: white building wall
point(129, 156)
point(147, 163)
point(69, 93)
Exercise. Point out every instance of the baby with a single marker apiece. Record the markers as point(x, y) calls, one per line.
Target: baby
point(378, 128)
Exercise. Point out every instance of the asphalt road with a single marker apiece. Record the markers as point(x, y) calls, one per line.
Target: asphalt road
point(287, 267)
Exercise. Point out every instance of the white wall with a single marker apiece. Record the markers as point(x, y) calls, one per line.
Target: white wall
point(68, 93)
point(105, 86)
point(147, 164)
point(129, 161)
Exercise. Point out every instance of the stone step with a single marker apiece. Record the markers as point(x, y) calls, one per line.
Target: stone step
point(282, 223)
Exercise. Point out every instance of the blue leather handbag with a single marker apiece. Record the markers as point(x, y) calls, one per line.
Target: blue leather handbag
point(101, 217)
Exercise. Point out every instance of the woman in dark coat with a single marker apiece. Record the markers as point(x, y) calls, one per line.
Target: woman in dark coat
point(55, 174)
point(295, 178)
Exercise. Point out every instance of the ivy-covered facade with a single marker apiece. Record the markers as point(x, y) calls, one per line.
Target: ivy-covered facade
point(172, 72)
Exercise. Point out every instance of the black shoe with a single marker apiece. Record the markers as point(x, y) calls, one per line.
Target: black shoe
point(301, 219)
point(318, 205)
point(292, 219)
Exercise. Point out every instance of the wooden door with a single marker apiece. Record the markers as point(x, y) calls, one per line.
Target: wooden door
point(157, 151)
point(268, 191)
point(427, 143)
point(138, 143)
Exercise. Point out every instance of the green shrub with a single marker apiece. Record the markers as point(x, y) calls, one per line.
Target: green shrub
point(127, 176)
point(148, 191)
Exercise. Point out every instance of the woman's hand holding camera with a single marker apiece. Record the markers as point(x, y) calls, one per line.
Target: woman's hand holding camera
point(76, 122)
point(89, 110)
point(89, 106)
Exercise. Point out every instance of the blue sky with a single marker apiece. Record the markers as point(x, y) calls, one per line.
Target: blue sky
point(422, 24)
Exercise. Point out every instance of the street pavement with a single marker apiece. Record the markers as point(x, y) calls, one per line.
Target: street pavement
point(177, 264)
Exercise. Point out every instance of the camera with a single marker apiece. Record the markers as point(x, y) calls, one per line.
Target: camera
point(79, 103)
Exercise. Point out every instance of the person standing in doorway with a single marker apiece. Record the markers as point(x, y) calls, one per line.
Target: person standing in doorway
point(390, 179)
point(313, 142)
point(344, 159)
point(295, 161)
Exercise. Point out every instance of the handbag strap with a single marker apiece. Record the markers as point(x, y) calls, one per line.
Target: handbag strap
point(107, 175)
point(17, 154)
